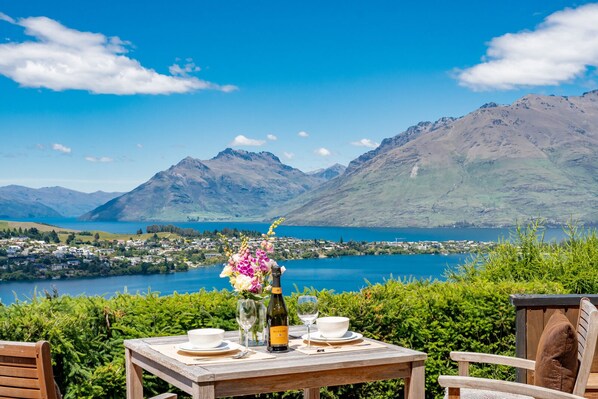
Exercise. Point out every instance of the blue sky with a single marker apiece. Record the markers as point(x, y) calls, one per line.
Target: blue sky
point(102, 95)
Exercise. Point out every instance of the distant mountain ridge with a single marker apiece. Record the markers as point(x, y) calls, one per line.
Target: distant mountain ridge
point(329, 173)
point(498, 165)
point(24, 202)
point(234, 185)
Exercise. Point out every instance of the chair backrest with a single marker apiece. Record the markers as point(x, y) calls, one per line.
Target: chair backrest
point(26, 370)
point(587, 334)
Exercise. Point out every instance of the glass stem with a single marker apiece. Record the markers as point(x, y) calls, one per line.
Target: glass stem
point(247, 340)
point(309, 335)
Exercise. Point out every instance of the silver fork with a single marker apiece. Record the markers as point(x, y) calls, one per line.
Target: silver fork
point(241, 354)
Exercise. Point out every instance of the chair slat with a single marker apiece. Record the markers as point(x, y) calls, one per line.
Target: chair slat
point(20, 393)
point(22, 361)
point(587, 334)
point(18, 372)
point(19, 382)
point(25, 349)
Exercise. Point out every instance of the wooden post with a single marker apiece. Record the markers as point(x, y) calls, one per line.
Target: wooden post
point(311, 393)
point(134, 378)
point(415, 385)
point(203, 391)
point(454, 393)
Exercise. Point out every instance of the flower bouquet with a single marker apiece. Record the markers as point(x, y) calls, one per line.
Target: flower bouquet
point(249, 270)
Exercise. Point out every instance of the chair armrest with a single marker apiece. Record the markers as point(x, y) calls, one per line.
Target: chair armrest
point(165, 396)
point(537, 392)
point(472, 357)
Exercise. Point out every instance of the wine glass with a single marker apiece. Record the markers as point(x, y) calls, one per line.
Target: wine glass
point(307, 310)
point(246, 315)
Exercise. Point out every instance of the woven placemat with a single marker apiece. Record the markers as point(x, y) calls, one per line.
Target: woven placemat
point(318, 348)
point(171, 351)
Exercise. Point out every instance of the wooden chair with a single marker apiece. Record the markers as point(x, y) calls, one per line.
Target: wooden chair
point(587, 334)
point(26, 372)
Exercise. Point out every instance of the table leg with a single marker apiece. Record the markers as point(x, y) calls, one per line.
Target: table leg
point(311, 393)
point(415, 385)
point(203, 391)
point(134, 378)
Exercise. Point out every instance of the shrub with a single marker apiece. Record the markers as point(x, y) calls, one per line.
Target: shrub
point(86, 333)
point(469, 312)
point(526, 256)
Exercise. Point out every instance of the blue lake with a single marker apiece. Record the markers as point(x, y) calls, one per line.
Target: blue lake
point(311, 232)
point(338, 274)
point(349, 273)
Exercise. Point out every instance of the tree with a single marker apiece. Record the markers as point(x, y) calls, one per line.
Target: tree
point(70, 238)
point(96, 237)
point(139, 232)
point(54, 237)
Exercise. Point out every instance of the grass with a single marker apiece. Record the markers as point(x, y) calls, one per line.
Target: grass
point(64, 233)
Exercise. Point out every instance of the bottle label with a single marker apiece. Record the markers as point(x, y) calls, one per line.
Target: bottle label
point(279, 335)
point(276, 290)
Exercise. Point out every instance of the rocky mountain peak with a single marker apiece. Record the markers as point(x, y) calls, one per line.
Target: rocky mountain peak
point(329, 173)
point(399, 140)
point(189, 163)
point(489, 105)
point(230, 153)
point(234, 185)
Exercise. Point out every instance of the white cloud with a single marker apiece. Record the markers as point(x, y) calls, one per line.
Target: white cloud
point(303, 134)
point(61, 148)
point(365, 143)
point(241, 141)
point(185, 70)
point(323, 152)
point(4, 17)
point(67, 59)
point(271, 137)
point(139, 145)
point(557, 51)
point(99, 159)
point(288, 155)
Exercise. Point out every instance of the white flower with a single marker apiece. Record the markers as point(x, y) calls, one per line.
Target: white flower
point(242, 283)
point(227, 271)
point(236, 258)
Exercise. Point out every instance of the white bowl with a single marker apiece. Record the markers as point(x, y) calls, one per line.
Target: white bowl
point(203, 338)
point(332, 327)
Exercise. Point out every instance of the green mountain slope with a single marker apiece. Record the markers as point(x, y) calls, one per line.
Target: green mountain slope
point(234, 185)
point(537, 157)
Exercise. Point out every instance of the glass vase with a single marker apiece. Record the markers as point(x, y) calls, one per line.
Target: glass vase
point(257, 332)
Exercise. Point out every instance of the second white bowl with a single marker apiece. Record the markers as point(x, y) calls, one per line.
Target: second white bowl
point(204, 338)
point(332, 327)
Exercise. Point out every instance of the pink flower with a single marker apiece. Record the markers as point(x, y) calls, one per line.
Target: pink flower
point(249, 270)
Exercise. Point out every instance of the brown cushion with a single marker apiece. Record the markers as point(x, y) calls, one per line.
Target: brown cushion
point(556, 358)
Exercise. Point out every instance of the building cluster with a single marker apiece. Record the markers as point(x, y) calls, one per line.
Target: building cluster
point(26, 258)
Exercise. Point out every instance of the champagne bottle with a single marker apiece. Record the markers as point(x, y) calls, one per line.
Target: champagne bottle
point(277, 316)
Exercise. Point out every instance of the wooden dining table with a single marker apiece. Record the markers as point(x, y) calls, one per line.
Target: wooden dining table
point(283, 371)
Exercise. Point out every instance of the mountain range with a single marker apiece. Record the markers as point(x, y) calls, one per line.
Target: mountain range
point(496, 166)
point(234, 185)
point(25, 202)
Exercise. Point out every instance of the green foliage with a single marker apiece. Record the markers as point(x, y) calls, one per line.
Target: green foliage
point(469, 312)
point(528, 257)
point(86, 333)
